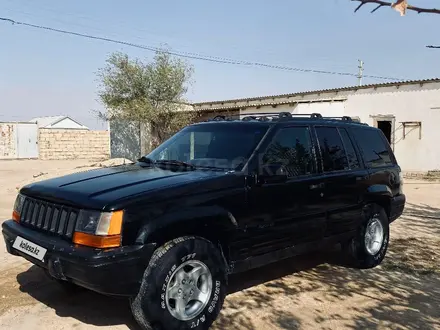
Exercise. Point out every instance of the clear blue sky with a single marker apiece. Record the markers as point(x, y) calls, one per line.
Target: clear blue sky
point(45, 73)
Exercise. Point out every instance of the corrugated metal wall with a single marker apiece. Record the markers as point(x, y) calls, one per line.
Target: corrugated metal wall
point(125, 140)
point(18, 140)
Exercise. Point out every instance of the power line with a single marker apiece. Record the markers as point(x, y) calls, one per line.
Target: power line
point(135, 31)
point(194, 56)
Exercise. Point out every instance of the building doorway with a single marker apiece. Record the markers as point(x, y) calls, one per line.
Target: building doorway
point(386, 127)
point(387, 124)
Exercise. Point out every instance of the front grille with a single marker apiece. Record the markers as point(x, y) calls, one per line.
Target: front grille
point(57, 219)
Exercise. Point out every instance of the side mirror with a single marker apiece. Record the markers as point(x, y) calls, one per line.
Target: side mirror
point(273, 173)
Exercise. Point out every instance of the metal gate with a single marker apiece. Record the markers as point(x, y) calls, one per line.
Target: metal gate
point(27, 140)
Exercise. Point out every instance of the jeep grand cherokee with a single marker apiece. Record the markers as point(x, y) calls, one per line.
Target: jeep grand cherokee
point(217, 198)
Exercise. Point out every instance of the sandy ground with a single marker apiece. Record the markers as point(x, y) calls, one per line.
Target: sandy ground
point(309, 292)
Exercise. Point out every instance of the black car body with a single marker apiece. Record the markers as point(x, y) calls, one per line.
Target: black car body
point(273, 186)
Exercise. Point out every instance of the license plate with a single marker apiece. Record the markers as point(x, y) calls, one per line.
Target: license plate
point(29, 248)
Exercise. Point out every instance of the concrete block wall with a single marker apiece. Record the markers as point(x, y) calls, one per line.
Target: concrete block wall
point(73, 144)
point(8, 148)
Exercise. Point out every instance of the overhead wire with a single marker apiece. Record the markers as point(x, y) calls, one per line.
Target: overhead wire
point(78, 22)
point(140, 33)
point(194, 56)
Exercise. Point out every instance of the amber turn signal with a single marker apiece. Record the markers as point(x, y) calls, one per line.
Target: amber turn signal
point(16, 216)
point(97, 241)
point(115, 223)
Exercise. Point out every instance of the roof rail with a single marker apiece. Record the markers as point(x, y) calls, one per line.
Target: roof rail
point(265, 116)
point(219, 117)
point(279, 116)
point(346, 118)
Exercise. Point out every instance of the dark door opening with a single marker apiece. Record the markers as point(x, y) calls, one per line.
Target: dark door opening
point(385, 127)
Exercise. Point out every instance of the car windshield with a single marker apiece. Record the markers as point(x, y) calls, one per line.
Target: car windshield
point(221, 146)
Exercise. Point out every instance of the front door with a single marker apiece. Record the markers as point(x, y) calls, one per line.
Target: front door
point(288, 213)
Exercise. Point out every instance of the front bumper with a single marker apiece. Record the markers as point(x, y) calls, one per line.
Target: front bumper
point(116, 271)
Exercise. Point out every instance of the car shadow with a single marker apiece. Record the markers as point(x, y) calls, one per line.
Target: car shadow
point(401, 293)
point(316, 290)
point(84, 305)
point(282, 268)
point(95, 309)
point(421, 218)
point(235, 310)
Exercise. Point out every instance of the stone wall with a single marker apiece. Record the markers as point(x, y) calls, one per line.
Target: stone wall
point(73, 144)
point(8, 148)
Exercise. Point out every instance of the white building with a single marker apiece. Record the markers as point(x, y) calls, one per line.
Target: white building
point(408, 113)
point(57, 122)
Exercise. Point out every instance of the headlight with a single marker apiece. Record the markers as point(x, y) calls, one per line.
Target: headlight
point(98, 229)
point(88, 221)
point(18, 207)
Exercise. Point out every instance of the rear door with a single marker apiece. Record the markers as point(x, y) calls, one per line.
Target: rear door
point(379, 159)
point(345, 179)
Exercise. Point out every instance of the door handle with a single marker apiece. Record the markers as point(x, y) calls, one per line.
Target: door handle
point(317, 186)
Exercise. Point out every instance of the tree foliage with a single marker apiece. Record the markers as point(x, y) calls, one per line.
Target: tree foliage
point(149, 93)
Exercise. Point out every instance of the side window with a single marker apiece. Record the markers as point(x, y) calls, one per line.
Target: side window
point(353, 160)
point(292, 147)
point(374, 149)
point(333, 154)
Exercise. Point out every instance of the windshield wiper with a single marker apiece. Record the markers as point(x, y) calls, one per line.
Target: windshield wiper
point(213, 168)
point(171, 162)
point(146, 160)
point(175, 163)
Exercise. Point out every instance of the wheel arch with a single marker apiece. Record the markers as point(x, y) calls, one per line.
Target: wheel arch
point(380, 195)
point(211, 223)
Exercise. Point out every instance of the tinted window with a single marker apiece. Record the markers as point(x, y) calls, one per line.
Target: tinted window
point(373, 146)
point(353, 160)
point(332, 150)
point(215, 145)
point(292, 148)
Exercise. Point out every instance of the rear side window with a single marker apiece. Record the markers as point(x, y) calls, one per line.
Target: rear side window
point(353, 160)
point(291, 147)
point(332, 149)
point(374, 148)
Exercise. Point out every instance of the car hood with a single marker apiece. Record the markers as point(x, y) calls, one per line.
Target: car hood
point(104, 188)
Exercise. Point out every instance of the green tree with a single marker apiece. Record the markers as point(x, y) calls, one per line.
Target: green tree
point(149, 93)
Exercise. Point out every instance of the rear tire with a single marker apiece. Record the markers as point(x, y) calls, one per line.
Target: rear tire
point(368, 248)
point(183, 287)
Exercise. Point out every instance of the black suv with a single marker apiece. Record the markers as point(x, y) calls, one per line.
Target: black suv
point(219, 197)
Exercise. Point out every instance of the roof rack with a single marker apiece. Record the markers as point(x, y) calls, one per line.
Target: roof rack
point(346, 118)
point(220, 117)
point(266, 116)
point(280, 116)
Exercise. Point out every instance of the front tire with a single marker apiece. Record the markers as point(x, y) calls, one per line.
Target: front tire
point(183, 287)
point(368, 248)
